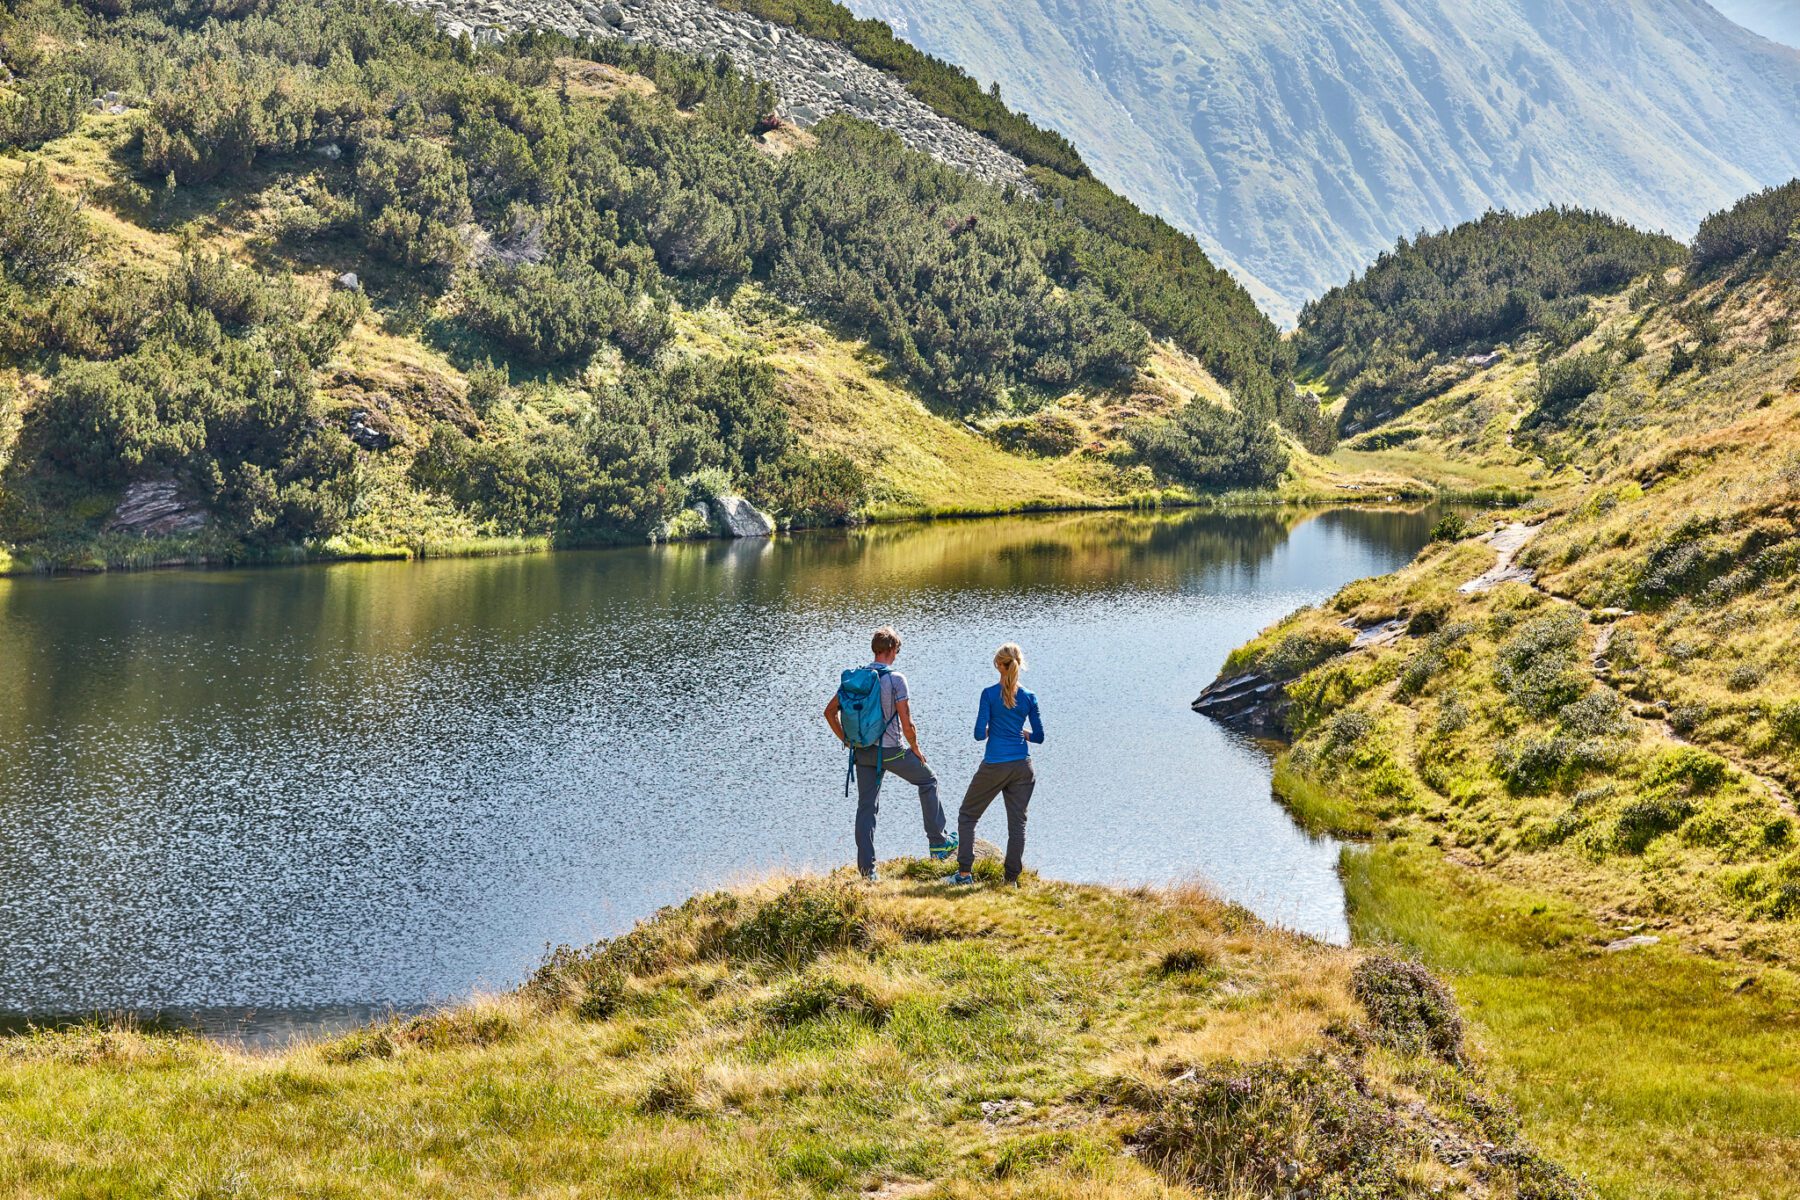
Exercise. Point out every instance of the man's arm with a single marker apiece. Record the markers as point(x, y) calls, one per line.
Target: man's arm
point(903, 710)
point(835, 720)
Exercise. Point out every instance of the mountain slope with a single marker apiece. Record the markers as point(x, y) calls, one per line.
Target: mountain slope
point(1777, 20)
point(262, 298)
point(1590, 706)
point(1297, 140)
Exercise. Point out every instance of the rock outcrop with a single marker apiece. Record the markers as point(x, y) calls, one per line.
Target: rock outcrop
point(726, 517)
point(155, 508)
point(813, 78)
point(736, 517)
point(1253, 701)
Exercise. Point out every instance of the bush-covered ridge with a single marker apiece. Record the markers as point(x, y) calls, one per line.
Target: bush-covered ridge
point(1630, 727)
point(518, 206)
point(1759, 231)
point(822, 1037)
point(1397, 334)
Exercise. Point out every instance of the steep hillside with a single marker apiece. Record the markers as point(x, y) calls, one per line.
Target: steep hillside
point(1443, 307)
point(1777, 20)
point(1614, 696)
point(825, 1038)
point(1591, 708)
point(267, 298)
point(1299, 140)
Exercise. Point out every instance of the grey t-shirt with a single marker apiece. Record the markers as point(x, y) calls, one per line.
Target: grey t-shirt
point(893, 691)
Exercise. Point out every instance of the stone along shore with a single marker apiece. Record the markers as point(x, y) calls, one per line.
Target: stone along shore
point(812, 78)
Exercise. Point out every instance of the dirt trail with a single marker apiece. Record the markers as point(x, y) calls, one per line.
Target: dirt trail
point(1508, 541)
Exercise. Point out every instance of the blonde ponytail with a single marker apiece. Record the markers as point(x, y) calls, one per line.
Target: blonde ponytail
point(1009, 660)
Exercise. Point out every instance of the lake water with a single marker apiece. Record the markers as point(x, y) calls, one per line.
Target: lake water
point(285, 799)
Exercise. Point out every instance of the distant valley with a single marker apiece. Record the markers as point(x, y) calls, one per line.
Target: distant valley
point(1298, 141)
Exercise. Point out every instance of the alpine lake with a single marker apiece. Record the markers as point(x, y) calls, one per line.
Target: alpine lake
point(275, 801)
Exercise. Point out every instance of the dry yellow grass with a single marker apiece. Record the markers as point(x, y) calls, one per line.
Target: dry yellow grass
point(908, 1039)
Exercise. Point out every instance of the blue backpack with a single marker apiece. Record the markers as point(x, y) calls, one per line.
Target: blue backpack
point(859, 707)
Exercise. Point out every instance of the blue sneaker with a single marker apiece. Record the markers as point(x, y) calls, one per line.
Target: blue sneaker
point(944, 849)
point(962, 879)
point(871, 877)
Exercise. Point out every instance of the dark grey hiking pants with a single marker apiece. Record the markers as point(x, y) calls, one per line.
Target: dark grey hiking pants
point(1015, 781)
point(909, 767)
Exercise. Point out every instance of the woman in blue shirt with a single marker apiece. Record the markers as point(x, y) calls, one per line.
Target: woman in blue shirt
point(1006, 766)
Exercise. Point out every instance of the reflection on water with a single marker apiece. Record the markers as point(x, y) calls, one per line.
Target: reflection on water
point(322, 790)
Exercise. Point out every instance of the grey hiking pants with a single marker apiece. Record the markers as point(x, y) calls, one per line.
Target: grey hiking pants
point(1015, 781)
point(909, 767)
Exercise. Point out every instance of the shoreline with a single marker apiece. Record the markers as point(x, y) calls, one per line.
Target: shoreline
point(201, 552)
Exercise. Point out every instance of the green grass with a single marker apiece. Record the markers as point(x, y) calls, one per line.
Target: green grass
point(1319, 809)
point(818, 1038)
point(1657, 1072)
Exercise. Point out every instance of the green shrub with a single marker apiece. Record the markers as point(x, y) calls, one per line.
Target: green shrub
point(1529, 763)
point(1689, 768)
point(1451, 527)
point(1643, 821)
point(40, 110)
point(562, 315)
point(1206, 445)
point(1571, 379)
point(808, 490)
point(1046, 435)
point(44, 239)
point(1784, 722)
point(1347, 728)
point(602, 994)
point(1599, 714)
point(809, 918)
point(1299, 652)
point(1276, 1128)
point(1411, 1009)
point(1537, 666)
point(414, 197)
point(812, 996)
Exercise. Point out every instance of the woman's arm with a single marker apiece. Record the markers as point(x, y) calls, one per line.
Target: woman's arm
point(981, 719)
point(1037, 721)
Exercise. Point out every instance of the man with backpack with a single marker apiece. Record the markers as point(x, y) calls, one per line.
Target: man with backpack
point(870, 714)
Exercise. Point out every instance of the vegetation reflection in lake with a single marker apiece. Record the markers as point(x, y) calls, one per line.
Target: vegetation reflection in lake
point(325, 789)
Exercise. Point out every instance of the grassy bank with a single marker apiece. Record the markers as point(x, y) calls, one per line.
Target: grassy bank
point(823, 1038)
point(1597, 745)
point(1656, 1072)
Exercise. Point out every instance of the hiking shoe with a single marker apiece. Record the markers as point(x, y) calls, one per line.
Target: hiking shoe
point(872, 877)
point(962, 879)
point(944, 849)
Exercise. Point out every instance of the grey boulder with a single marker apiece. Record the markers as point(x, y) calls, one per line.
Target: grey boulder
point(738, 518)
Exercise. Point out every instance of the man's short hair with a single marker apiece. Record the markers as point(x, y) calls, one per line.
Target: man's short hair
point(885, 641)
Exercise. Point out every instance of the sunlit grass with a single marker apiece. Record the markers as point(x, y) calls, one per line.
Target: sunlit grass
point(1660, 1073)
point(985, 1041)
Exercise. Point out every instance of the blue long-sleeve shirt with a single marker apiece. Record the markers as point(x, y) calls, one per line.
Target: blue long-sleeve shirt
point(1003, 728)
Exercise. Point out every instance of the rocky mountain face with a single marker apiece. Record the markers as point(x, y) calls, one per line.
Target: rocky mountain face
point(1300, 138)
point(813, 78)
point(1777, 20)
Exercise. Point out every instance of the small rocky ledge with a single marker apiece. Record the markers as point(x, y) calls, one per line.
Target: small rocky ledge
point(1252, 702)
point(155, 508)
